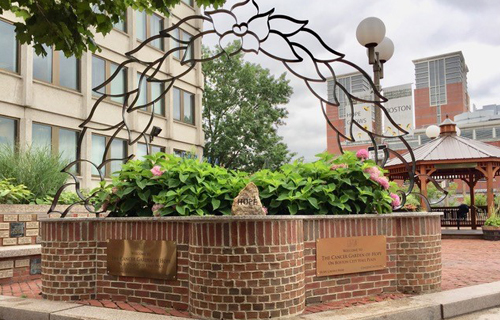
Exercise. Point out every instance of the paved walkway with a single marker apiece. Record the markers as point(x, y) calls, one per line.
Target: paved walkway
point(465, 263)
point(469, 262)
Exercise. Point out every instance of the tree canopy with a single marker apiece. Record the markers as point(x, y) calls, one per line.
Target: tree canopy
point(70, 25)
point(243, 108)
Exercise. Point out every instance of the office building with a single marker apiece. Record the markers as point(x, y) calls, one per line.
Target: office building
point(43, 100)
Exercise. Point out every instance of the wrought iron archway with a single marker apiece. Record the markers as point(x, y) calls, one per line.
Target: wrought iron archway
point(261, 33)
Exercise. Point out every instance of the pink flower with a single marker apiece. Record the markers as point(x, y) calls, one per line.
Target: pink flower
point(337, 166)
point(264, 209)
point(396, 202)
point(156, 207)
point(384, 182)
point(362, 154)
point(374, 173)
point(156, 171)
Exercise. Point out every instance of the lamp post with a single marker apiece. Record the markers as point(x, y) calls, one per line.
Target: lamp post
point(371, 34)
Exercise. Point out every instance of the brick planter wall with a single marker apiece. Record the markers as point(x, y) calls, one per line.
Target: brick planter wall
point(246, 269)
point(239, 267)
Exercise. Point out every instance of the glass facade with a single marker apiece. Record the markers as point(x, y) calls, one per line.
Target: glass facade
point(8, 131)
point(98, 74)
point(98, 148)
point(156, 26)
point(437, 82)
point(118, 150)
point(119, 83)
point(9, 53)
point(69, 72)
point(42, 66)
point(141, 28)
point(182, 36)
point(68, 144)
point(157, 89)
point(41, 136)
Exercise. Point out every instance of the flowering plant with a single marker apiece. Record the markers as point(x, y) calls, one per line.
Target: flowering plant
point(166, 185)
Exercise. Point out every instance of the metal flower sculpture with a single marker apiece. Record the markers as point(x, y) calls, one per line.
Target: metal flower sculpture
point(287, 40)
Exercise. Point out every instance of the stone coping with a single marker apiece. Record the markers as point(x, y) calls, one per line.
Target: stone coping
point(36, 208)
point(257, 217)
point(20, 251)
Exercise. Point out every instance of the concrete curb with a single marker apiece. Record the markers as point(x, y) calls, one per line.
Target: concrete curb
point(12, 308)
point(434, 306)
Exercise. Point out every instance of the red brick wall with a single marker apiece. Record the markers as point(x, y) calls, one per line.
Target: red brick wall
point(425, 115)
point(247, 267)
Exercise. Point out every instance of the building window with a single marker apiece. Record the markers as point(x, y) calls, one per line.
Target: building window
point(437, 82)
point(148, 26)
point(182, 36)
point(185, 154)
point(8, 132)
point(101, 71)
point(121, 25)
point(57, 69)
point(59, 141)
point(184, 106)
point(142, 150)
point(9, 54)
point(189, 2)
point(117, 150)
point(151, 91)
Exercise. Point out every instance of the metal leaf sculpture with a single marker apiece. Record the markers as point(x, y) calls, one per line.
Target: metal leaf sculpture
point(279, 37)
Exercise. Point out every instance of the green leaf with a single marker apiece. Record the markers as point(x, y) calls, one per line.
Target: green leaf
point(313, 202)
point(292, 208)
point(215, 204)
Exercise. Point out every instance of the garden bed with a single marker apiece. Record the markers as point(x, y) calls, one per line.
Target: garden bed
point(230, 267)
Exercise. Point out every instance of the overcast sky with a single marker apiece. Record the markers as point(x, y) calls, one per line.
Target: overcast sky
point(418, 29)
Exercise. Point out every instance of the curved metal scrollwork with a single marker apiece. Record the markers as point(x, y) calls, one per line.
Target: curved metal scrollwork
point(279, 37)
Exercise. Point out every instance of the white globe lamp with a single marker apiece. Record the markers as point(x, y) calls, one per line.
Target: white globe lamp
point(432, 131)
point(385, 49)
point(370, 32)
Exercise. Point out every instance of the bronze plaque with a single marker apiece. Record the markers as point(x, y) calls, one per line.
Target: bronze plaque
point(143, 258)
point(350, 255)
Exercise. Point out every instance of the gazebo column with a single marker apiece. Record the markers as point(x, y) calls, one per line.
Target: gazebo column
point(472, 182)
point(489, 188)
point(423, 185)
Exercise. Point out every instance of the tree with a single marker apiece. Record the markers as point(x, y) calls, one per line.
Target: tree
point(70, 25)
point(242, 112)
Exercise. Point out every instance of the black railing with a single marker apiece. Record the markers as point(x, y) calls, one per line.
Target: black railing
point(451, 218)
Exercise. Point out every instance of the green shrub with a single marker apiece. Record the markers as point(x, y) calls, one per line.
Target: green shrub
point(314, 188)
point(37, 169)
point(493, 221)
point(13, 194)
point(66, 198)
point(189, 187)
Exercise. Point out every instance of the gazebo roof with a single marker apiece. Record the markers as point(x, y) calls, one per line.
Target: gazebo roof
point(450, 147)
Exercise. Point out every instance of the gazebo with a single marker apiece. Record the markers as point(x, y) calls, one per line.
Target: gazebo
point(450, 156)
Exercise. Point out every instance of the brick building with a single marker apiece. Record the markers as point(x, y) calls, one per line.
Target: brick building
point(441, 88)
point(354, 83)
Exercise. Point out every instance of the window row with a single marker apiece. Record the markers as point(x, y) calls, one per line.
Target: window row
point(57, 69)
point(64, 142)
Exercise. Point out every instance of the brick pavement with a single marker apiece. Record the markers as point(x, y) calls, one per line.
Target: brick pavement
point(469, 262)
point(465, 263)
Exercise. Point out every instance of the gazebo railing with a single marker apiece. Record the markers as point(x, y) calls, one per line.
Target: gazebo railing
point(451, 219)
